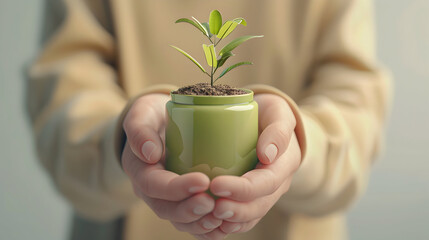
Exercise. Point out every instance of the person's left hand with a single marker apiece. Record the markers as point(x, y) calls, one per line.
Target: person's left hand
point(245, 200)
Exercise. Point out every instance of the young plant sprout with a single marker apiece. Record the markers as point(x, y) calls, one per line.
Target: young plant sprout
point(215, 31)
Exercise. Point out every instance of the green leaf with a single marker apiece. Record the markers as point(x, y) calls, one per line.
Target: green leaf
point(223, 58)
point(210, 53)
point(193, 23)
point(240, 21)
point(232, 67)
point(190, 58)
point(226, 29)
point(235, 43)
point(201, 26)
point(215, 21)
point(207, 27)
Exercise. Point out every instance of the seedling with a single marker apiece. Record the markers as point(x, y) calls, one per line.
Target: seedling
point(215, 31)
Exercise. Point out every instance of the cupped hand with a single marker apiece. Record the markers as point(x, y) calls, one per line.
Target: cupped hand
point(179, 199)
point(245, 200)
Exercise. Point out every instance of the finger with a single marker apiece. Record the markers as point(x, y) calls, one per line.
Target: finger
point(231, 227)
point(186, 211)
point(155, 182)
point(262, 181)
point(158, 183)
point(277, 123)
point(216, 234)
point(142, 125)
point(203, 225)
point(240, 212)
point(253, 184)
point(273, 141)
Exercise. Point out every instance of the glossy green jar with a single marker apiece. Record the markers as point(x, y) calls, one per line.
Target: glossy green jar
point(215, 135)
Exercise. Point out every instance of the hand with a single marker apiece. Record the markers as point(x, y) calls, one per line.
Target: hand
point(246, 199)
point(180, 199)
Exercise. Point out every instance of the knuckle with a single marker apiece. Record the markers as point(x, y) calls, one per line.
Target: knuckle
point(270, 181)
point(287, 113)
point(283, 132)
point(144, 185)
point(188, 217)
point(130, 120)
point(136, 135)
point(247, 190)
point(136, 138)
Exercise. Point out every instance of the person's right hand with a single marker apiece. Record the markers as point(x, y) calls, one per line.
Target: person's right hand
point(180, 199)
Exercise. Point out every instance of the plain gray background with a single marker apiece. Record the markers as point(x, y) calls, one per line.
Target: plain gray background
point(394, 207)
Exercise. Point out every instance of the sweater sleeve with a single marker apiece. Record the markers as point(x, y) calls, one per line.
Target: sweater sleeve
point(340, 115)
point(74, 102)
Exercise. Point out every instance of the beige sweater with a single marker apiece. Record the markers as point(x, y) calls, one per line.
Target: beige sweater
point(100, 54)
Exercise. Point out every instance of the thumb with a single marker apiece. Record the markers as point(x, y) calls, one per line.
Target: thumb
point(142, 126)
point(146, 143)
point(273, 142)
point(277, 123)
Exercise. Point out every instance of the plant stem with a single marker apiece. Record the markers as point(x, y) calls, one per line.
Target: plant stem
point(212, 73)
point(217, 42)
point(220, 39)
point(211, 76)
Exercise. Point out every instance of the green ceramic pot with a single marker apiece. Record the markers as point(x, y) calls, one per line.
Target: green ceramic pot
point(215, 135)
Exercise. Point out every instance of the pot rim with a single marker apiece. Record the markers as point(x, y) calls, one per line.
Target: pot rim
point(212, 100)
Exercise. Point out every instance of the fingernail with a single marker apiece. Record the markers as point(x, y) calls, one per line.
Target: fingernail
point(223, 194)
point(200, 210)
point(196, 189)
point(208, 225)
point(271, 152)
point(225, 215)
point(147, 149)
point(236, 229)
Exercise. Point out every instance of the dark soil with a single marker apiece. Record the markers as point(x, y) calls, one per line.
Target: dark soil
point(208, 90)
